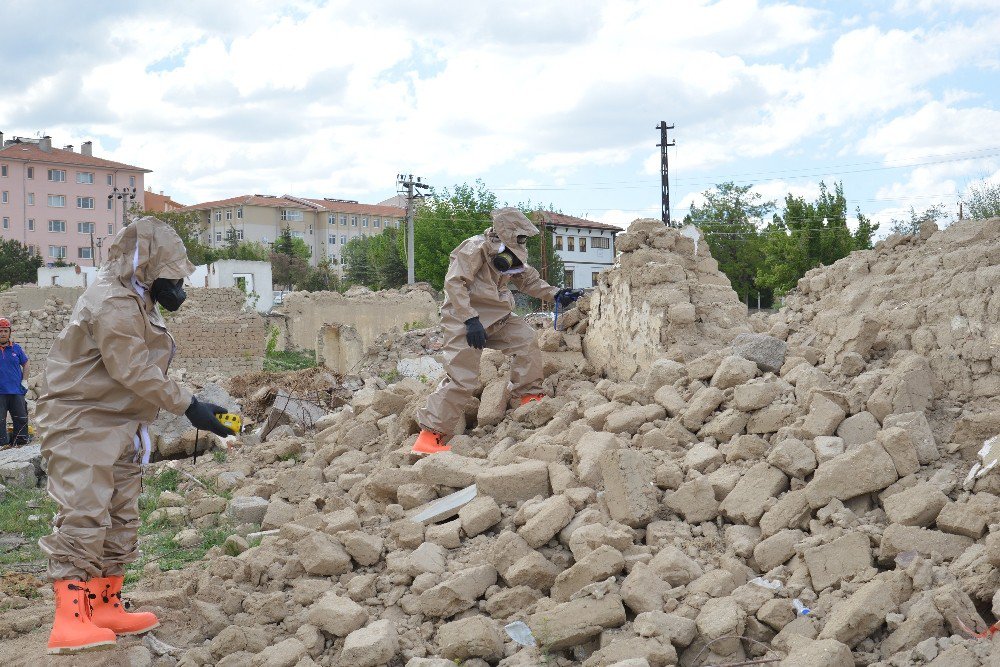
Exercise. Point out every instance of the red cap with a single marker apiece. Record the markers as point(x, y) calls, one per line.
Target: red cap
point(4, 323)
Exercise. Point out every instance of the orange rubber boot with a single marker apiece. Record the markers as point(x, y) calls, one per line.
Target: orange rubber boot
point(109, 610)
point(429, 442)
point(528, 398)
point(73, 630)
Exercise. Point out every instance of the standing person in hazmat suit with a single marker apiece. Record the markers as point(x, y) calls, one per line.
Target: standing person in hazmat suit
point(477, 314)
point(105, 380)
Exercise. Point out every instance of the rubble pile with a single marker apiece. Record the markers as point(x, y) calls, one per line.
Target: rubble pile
point(797, 495)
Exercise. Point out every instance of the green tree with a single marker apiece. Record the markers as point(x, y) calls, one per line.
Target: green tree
point(387, 258)
point(729, 219)
point(807, 235)
point(916, 220)
point(445, 219)
point(189, 227)
point(322, 277)
point(289, 259)
point(18, 264)
point(982, 201)
point(355, 261)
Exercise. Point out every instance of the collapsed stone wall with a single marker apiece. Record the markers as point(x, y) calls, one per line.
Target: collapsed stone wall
point(215, 336)
point(664, 298)
point(32, 297)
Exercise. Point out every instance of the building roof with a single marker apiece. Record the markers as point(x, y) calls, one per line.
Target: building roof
point(562, 220)
point(32, 152)
point(343, 206)
point(159, 202)
point(250, 200)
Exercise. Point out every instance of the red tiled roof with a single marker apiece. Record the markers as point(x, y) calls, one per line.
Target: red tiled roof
point(28, 152)
point(249, 200)
point(158, 202)
point(350, 207)
point(570, 221)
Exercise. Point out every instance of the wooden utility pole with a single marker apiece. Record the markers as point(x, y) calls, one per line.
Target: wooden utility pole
point(406, 181)
point(664, 172)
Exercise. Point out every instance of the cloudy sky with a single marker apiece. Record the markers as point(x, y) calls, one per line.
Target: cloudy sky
point(548, 101)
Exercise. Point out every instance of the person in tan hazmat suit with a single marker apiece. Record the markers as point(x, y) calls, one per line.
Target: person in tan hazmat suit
point(105, 380)
point(477, 314)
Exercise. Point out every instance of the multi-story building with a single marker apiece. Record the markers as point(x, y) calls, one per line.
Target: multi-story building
point(55, 200)
point(585, 247)
point(160, 203)
point(324, 224)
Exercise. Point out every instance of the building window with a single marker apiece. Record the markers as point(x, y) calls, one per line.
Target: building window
point(343, 220)
point(571, 243)
point(310, 230)
point(583, 244)
point(57, 225)
point(86, 227)
point(568, 280)
point(332, 239)
point(111, 203)
point(85, 202)
point(376, 222)
point(6, 223)
point(57, 175)
point(111, 228)
point(229, 214)
point(331, 219)
point(218, 216)
point(3, 170)
point(85, 177)
point(57, 201)
point(110, 179)
point(239, 213)
point(57, 251)
point(31, 224)
point(32, 250)
point(83, 253)
point(558, 243)
point(131, 181)
point(239, 234)
point(31, 173)
point(364, 221)
point(354, 221)
point(291, 215)
point(600, 243)
point(31, 199)
point(343, 238)
point(298, 235)
point(4, 197)
point(593, 278)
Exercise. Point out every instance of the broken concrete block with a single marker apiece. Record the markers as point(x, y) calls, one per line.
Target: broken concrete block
point(766, 351)
point(472, 637)
point(629, 419)
point(747, 501)
point(339, 616)
point(915, 424)
point(733, 371)
point(364, 548)
point(479, 515)
point(493, 402)
point(574, 622)
point(644, 590)
point(322, 555)
point(533, 570)
point(821, 653)
point(703, 457)
point(427, 558)
point(598, 565)
point(553, 515)
point(858, 429)
point(772, 418)
point(457, 593)
point(855, 618)
point(514, 483)
point(793, 458)
point(918, 505)
point(865, 469)
point(448, 534)
point(694, 501)
point(622, 651)
point(247, 509)
point(827, 447)
point(674, 566)
point(628, 485)
point(907, 388)
point(824, 416)
point(371, 646)
point(841, 559)
point(449, 469)
point(961, 519)
point(776, 613)
point(677, 630)
point(722, 617)
point(922, 621)
point(897, 443)
point(757, 395)
point(775, 550)
point(444, 508)
point(791, 511)
point(670, 399)
point(702, 404)
point(663, 372)
point(896, 539)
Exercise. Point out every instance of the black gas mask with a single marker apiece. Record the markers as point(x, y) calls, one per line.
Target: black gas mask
point(506, 260)
point(168, 292)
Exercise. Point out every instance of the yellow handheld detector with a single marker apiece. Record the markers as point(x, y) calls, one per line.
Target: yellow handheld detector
point(231, 421)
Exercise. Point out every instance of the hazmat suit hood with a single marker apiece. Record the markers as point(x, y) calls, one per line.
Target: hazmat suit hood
point(508, 224)
point(144, 251)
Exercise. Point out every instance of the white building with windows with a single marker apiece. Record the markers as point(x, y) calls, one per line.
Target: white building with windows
point(585, 247)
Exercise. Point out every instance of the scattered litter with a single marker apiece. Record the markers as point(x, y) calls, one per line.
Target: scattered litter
point(520, 633)
point(766, 583)
point(800, 609)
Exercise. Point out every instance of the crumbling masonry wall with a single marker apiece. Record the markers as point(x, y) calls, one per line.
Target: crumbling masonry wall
point(664, 297)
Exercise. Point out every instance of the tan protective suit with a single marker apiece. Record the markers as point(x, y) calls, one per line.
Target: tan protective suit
point(104, 379)
point(475, 287)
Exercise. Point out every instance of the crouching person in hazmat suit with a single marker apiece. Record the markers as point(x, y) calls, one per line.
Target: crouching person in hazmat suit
point(105, 380)
point(477, 314)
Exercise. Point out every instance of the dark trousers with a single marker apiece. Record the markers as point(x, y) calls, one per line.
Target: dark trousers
point(18, 409)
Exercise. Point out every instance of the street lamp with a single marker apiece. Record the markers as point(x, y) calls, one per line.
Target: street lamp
point(125, 195)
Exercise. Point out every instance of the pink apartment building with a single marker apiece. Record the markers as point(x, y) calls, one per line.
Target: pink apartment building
point(55, 200)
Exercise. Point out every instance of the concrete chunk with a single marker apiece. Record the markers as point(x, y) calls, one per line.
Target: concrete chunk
point(852, 620)
point(858, 429)
point(554, 514)
point(514, 483)
point(628, 485)
point(598, 565)
point(479, 515)
point(918, 505)
point(919, 430)
point(896, 539)
point(574, 622)
point(371, 646)
point(340, 616)
point(472, 637)
point(961, 519)
point(900, 447)
point(841, 559)
point(449, 469)
point(746, 502)
point(862, 470)
point(766, 351)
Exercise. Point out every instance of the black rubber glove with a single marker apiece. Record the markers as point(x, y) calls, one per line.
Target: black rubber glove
point(475, 334)
point(566, 296)
point(202, 416)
